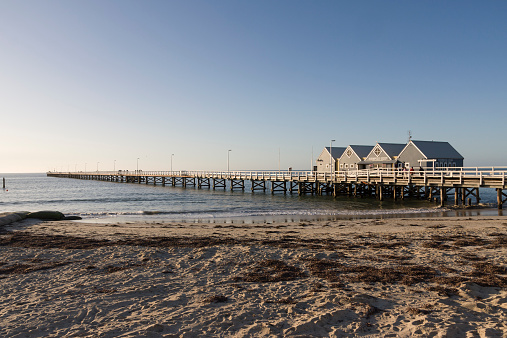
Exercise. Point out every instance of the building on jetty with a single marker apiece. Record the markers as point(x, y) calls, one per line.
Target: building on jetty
point(383, 156)
point(430, 154)
point(328, 156)
point(353, 156)
point(419, 155)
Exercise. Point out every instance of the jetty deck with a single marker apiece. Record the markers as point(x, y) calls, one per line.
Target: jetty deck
point(438, 185)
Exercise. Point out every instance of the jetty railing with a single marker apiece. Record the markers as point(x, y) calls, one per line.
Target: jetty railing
point(315, 175)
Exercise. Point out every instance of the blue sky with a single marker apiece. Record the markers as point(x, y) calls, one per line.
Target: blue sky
point(98, 81)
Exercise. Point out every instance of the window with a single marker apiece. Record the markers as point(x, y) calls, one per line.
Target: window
point(349, 153)
point(341, 165)
point(346, 166)
point(377, 152)
point(352, 165)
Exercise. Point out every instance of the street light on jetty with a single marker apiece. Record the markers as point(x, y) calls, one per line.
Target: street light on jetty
point(85, 166)
point(137, 168)
point(98, 166)
point(228, 152)
point(114, 165)
point(172, 163)
point(278, 159)
point(331, 155)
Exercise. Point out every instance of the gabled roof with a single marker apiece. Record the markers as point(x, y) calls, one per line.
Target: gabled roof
point(337, 151)
point(361, 151)
point(437, 149)
point(392, 149)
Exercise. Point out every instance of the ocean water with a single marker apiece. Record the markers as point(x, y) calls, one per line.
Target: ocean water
point(99, 201)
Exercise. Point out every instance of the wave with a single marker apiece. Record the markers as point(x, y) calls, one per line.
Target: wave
point(173, 215)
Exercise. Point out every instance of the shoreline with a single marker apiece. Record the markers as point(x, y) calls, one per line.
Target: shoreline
point(439, 276)
point(258, 219)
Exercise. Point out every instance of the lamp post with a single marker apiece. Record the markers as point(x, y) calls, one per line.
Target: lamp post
point(172, 162)
point(311, 161)
point(331, 155)
point(278, 159)
point(137, 167)
point(114, 165)
point(228, 152)
point(85, 166)
point(98, 166)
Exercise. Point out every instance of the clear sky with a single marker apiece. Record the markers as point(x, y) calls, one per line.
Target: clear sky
point(105, 83)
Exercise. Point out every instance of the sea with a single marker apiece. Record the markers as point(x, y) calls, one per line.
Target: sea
point(101, 201)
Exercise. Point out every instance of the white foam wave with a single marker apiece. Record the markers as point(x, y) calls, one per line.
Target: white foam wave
point(259, 213)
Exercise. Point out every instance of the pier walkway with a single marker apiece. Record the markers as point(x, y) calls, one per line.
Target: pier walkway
point(438, 185)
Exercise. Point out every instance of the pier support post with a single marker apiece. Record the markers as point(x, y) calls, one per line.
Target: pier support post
point(293, 185)
point(305, 187)
point(237, 184)
point(500, 197)
point(473, 191)
point(219, 183)
point(203, 182)
point(278, 186)
point(260, 185)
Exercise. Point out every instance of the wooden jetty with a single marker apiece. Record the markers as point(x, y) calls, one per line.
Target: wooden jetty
point(462, 183)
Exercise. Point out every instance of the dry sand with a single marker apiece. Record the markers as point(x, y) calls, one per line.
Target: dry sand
point(442, 277)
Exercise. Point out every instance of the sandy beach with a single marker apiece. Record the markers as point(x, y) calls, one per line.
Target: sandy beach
point(397, 277)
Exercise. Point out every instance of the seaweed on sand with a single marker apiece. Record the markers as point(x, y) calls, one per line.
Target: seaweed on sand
point(270, 271)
